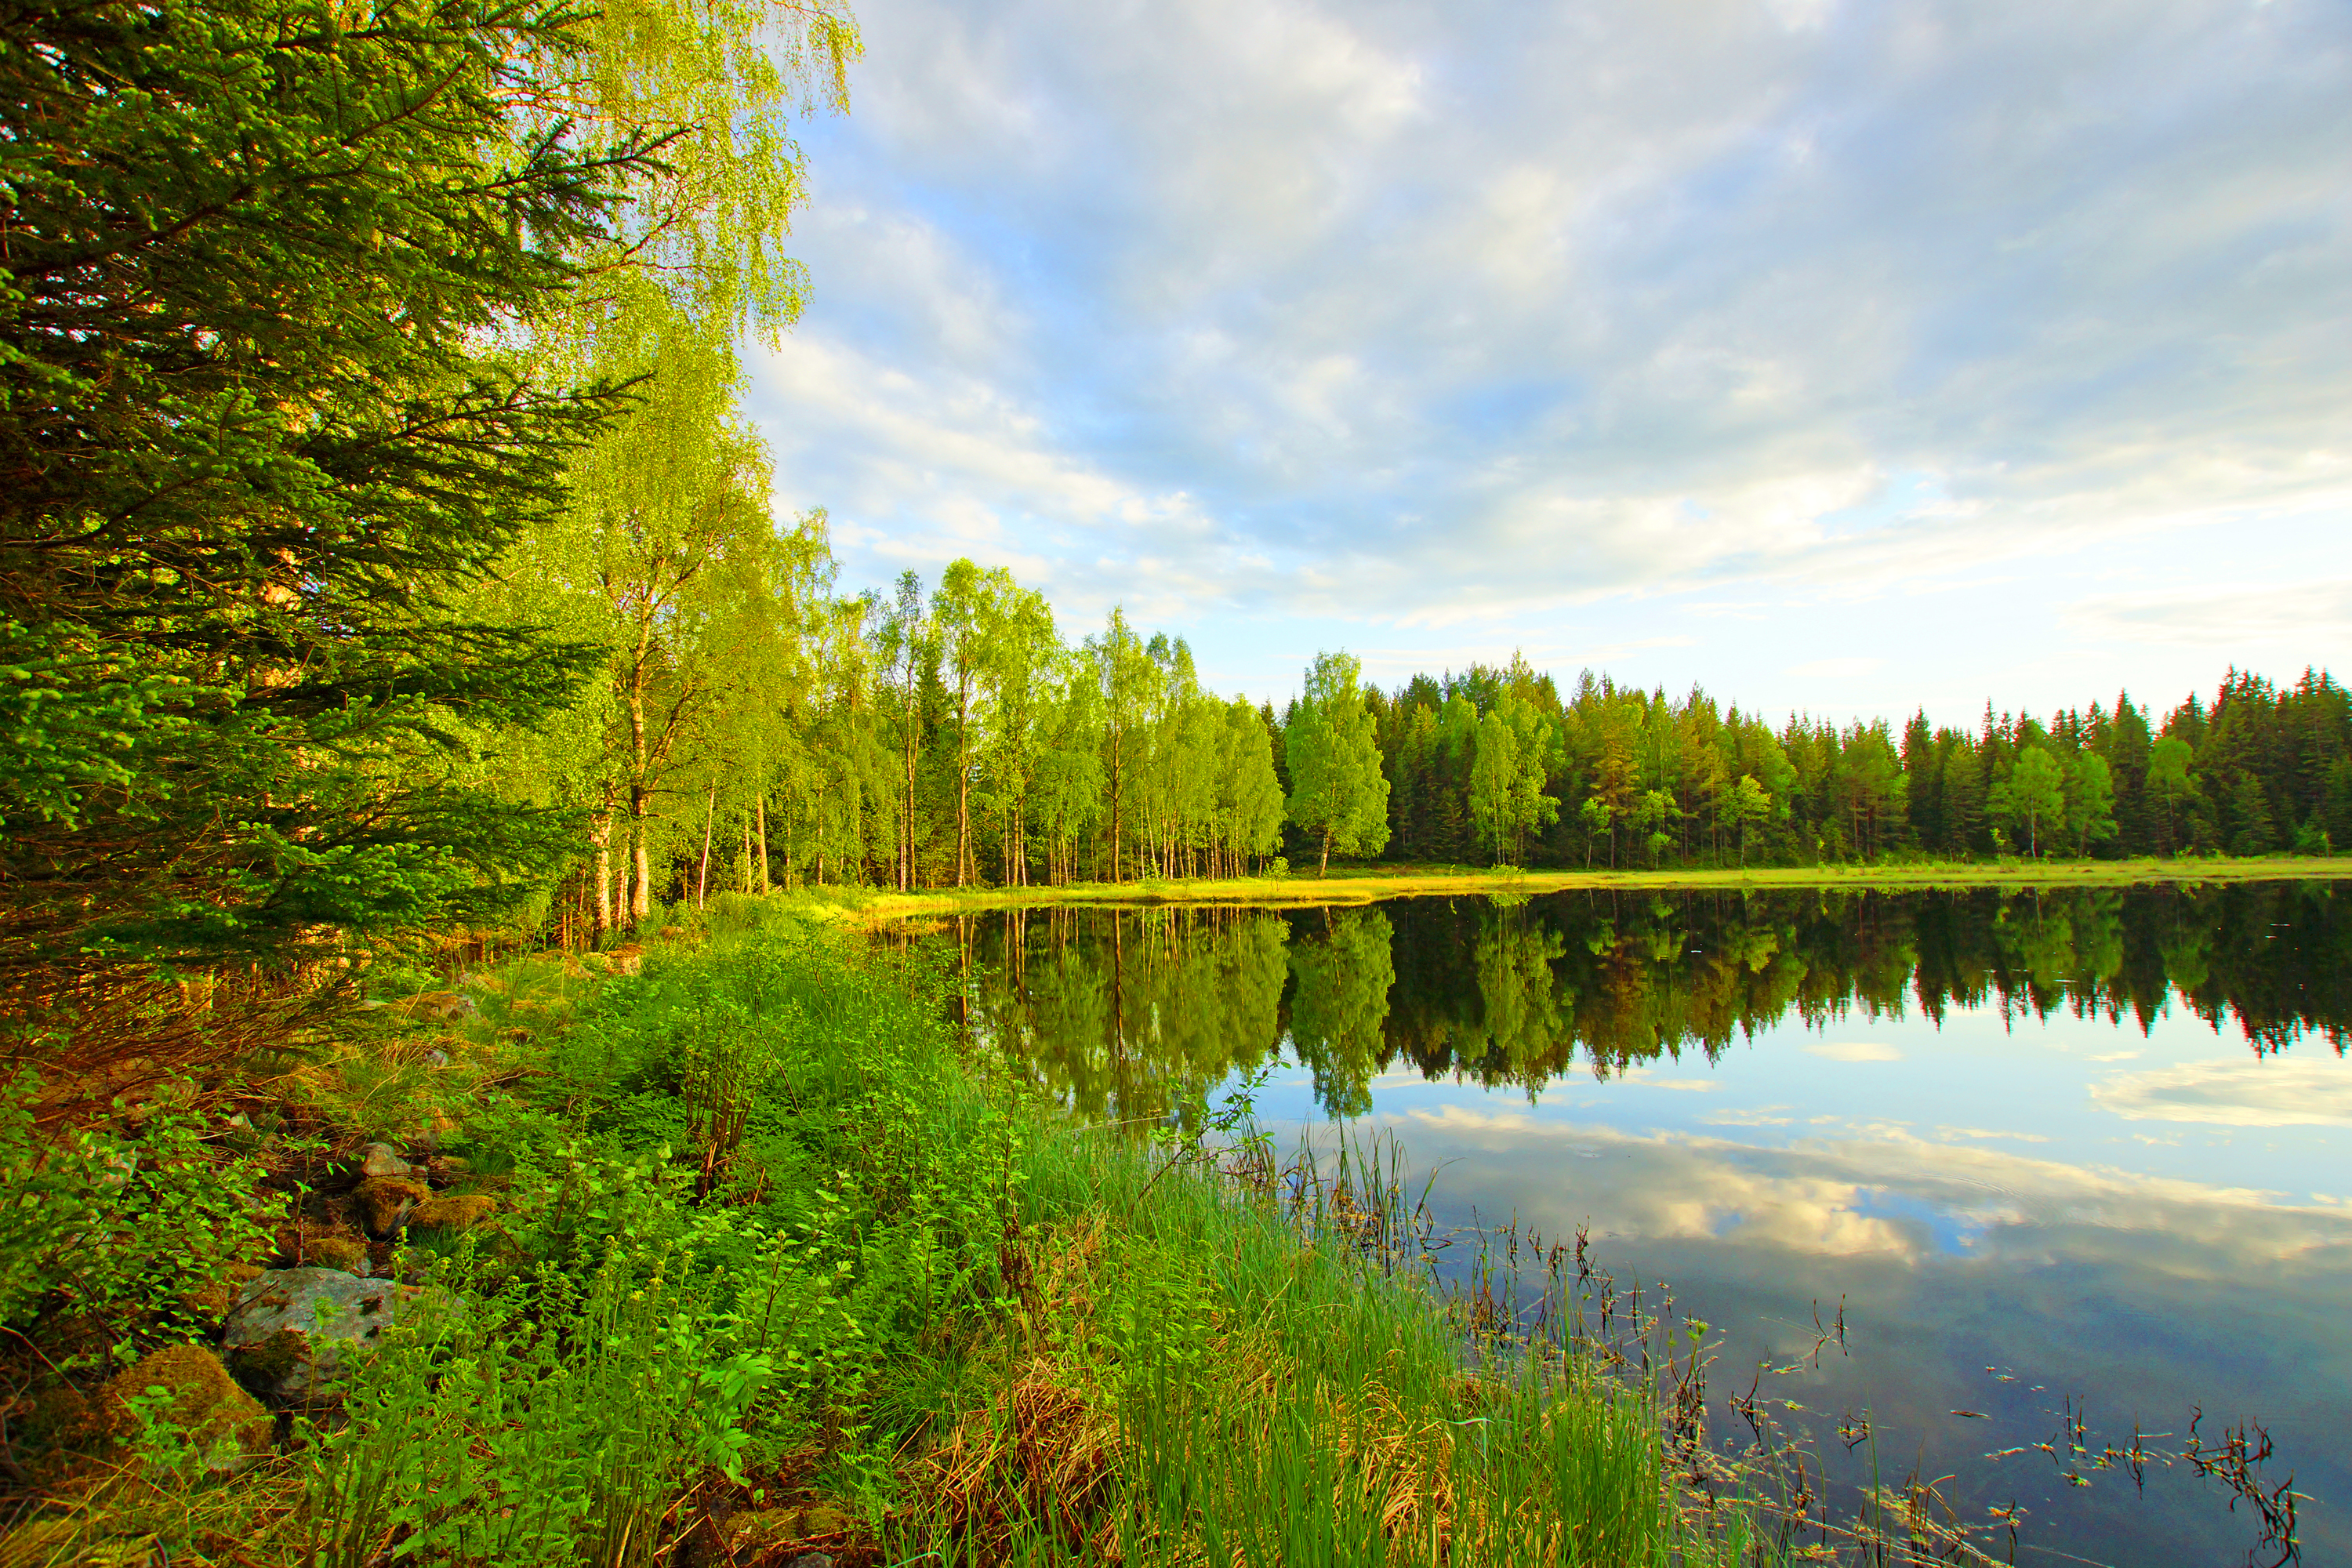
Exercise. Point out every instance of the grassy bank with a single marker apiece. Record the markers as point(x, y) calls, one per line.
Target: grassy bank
point(1364, 886)
point(756, 1265)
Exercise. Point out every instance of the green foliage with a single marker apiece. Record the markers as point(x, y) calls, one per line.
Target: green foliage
point(1338, 792)
point(2090, 801)
point(118, 1229)
point(2034, 796)
point(555, 1420)
point(1340, 1004)
point(259, 259)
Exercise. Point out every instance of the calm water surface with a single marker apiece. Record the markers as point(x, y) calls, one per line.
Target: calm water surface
point(2073, 1153)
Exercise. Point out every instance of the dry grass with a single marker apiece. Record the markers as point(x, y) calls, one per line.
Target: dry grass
point(1039, 1457)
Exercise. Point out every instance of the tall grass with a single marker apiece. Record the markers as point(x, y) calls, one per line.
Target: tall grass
point(772, 1252)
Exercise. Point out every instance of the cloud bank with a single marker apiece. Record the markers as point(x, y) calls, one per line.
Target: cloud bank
point(1420, 316)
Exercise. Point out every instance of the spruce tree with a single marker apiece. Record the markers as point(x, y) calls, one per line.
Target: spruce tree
point(258, 429)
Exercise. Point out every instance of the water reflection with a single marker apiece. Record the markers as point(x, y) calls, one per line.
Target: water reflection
point(2078, 1145)
point(1131, 1013)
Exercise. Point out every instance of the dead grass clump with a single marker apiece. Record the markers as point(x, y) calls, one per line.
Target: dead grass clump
point(1058, 1268)
point(1038, 1458)
point(1400, 1463)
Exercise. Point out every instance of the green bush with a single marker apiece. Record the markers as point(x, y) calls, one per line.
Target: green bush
point(120, 1229)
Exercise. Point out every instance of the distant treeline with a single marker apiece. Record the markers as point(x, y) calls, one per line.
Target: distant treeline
point(1630, 777)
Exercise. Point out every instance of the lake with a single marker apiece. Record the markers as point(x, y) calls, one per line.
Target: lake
point(2074, 1164)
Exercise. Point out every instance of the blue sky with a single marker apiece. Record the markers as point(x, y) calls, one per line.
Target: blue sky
point(1832, 356)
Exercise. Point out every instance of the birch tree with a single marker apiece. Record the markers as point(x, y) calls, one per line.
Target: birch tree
point(1336, 790)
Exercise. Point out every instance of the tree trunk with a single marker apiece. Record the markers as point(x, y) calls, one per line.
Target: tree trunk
point(964, 786)
point(702, 878)
point(600, 835)
point(641, 881)
point(907, 852)
point(1325, 870)
point(760, 815)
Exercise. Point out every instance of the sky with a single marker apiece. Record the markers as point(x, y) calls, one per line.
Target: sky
point(1839, 358)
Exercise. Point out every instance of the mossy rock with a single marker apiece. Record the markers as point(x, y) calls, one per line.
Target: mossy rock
point(348, 1253)
point(454, 1211)
point(196, 1405)
point(747, 1537)
point(383, 1204)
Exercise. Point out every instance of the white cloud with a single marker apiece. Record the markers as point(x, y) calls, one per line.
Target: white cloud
point(1867, 1192)
point(1988, 1132)
point(1856, 1051)
point(2238, 1091)
point(1431, 314)
point(2221, 616)
point(1648, 1077)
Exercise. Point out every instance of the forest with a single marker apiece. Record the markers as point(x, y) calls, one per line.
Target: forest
point(314, 623)
point(394, 622)
point(957, 739)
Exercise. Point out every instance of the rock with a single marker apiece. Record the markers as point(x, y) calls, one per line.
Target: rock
point(346, 1254)
point(628, 960)
point(381, 1160)
point(218, 1425)
point(454, 1211)
point(749, 1537)
point(383, 1203)
point(296, 1330)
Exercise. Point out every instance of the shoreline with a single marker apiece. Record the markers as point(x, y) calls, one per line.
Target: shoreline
point(1373, 886)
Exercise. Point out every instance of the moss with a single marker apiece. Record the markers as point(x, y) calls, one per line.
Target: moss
point(348, 1253)
point(57, 1424)
point(382, 1202)
point(224, 1428)
point(454, 1211)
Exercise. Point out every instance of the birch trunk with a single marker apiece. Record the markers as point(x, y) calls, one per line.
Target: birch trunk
point(600, 837)
point(702, 878)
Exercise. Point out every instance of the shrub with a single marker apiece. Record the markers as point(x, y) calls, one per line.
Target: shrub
point(120, 1231)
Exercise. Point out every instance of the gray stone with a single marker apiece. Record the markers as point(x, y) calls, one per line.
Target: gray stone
point(294, 1331)
point(381, 1160)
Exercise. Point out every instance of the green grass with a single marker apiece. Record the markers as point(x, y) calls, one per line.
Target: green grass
point(1372, 885)
point(773, 1256)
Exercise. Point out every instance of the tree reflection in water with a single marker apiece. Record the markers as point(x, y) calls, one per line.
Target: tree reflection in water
point(1132, 1014)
